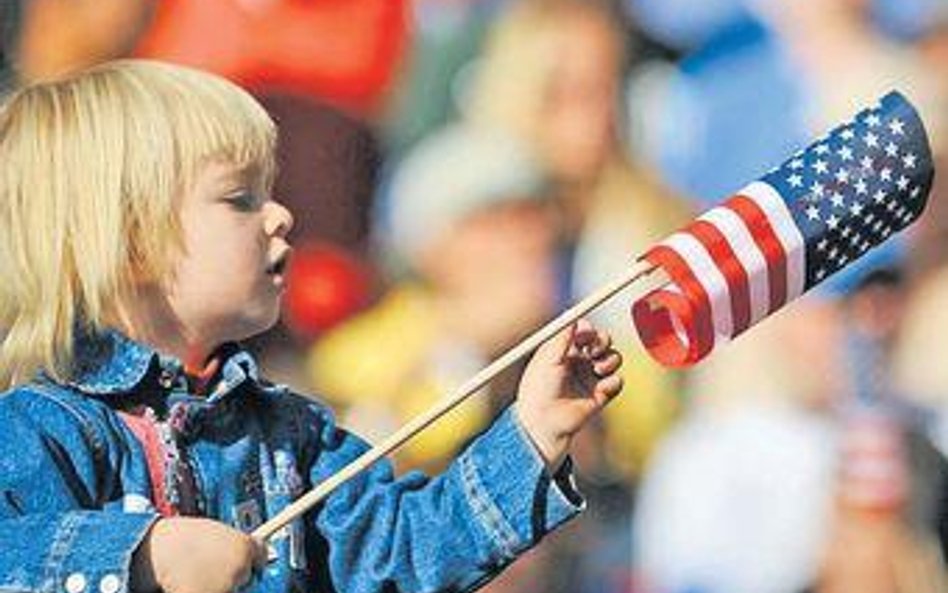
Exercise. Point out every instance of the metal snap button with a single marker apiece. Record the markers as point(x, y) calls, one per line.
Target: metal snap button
point(166, 379)
point(110, 583)
point(76, 583)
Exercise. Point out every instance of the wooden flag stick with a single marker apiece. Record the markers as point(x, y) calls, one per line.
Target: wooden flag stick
point(656, 278)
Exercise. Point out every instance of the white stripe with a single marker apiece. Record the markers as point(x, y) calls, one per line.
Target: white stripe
point(787, 233)
point(706, 271)
point(675, 320)
point(748, 253)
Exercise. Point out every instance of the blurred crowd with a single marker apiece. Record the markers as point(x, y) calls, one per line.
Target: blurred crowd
point(463, 170)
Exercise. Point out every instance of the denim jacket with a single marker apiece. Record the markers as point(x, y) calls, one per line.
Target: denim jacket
point(88, 464)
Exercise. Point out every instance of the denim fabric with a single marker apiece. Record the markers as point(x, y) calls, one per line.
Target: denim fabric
point(76, 492)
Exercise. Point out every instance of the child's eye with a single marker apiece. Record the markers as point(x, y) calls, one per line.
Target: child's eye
point(244, 201)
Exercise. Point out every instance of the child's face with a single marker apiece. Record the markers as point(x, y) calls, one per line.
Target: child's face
point(228, 283)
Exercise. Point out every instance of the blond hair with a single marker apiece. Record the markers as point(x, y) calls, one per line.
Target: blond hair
point(520, 59)
point(91, 169)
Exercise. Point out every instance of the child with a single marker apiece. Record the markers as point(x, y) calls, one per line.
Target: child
point(138, 241)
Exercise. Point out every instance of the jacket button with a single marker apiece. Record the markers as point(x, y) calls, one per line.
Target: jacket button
point(110, 583)
point(166, 379)
point(75, 583)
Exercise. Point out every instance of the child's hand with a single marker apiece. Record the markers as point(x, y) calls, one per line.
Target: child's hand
point(194, 555)
point(570, 378)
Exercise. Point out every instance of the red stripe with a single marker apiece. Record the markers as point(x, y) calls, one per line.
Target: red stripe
point(146, 432)
point(763, 233)
point(654, 313)
point(717, 246)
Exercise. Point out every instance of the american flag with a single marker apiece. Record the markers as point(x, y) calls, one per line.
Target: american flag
point(785, 233)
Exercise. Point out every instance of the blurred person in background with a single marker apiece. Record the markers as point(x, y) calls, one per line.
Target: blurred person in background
point(551, 73)
point(767, 489)
point(736, 495)
point(891, 478)
point(466, 217)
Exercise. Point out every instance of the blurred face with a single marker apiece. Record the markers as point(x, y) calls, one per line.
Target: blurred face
point(228, 283)
point(577, 131)
point(497, 268)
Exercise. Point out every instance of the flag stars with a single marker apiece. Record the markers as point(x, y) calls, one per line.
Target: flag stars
point(842, 176)
point(891, 149)
point(817, 189)
point(897, 127)
point(832, 222)
point(847, 134)
point(821, 167)
point(871, 140)
point(845, 153)
point(866, 162)
point(795, 180)
point(813, 213)
point(821, 149)
point(796, 164)
point(822, 245)
point(846, 232)
point(856, 209)
point(873, 120)
point(885, 174)
point(909, 161)
point(837, 199)
point(915, 192)
point(879, 196)
point(861, 187)
point(902, 183)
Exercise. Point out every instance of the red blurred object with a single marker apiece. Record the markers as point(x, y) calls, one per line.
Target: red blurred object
point(326, 286)
point(341, 51)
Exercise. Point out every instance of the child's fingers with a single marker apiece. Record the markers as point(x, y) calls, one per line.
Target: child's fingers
point(590, 340)
point(561, 345)
point(601, 394)
point(607, 364)
point(608, 388)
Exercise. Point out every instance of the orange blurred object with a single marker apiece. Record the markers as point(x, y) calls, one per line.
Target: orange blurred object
point(326, 285)
point(341, 51)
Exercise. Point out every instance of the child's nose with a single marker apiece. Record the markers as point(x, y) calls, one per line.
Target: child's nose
point(279, 219)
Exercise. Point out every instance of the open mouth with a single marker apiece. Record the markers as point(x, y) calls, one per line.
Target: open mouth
point(278, 267)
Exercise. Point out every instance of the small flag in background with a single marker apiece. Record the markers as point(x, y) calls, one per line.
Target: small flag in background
point(783, 234)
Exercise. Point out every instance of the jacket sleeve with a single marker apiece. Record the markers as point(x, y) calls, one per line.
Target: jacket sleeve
point(56, 477)
point(452, 532)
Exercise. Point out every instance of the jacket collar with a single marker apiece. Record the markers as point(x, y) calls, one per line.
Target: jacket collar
point(107, 362)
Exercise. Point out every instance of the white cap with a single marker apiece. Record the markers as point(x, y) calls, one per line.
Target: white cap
point(449, 175)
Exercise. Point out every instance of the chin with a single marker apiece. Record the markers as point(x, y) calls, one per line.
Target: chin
point(255, 324)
